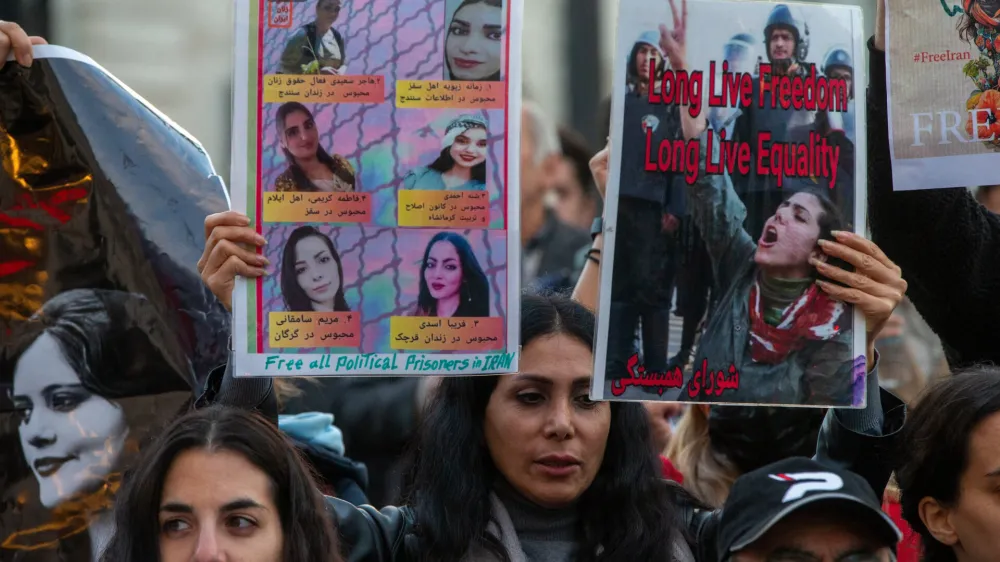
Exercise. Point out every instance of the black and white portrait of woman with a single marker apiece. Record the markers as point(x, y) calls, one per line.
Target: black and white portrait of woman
point(90, 381)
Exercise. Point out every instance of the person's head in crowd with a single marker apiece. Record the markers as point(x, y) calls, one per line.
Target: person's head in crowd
point(465, 144)
point(989, 197)
point(714, 445)
point(327, 13)
point(536, 438)
point(221, 484)
point(786, 38)
point(799, 510)
point(312, 276)
point(474, 44)
point(452, 283)
point(791, 236)
point(89, 352)
point(540, 155)
point(575, 199)
point(298, 137)
point(708, 473)
point(838, 65)
point(645, 53)
point(948, 470)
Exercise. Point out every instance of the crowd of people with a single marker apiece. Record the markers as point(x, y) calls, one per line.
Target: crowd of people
point(526, 467)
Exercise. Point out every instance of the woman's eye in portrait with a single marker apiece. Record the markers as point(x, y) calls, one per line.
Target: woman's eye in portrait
point(451, 266)
point(458, 30)
point(292, 132)
point(462, 140)
point(23, 408)
point(66, 400)
point(300, 269)
point(310, 125)
point(325, 260)
point(495, 35)
point(482, 143)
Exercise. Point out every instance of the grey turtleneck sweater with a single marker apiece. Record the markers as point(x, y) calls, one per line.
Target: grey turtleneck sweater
point(546, 535)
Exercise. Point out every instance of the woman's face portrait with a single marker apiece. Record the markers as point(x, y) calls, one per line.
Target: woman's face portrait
point(316, 271)
point(300, 136)
point(71, 437)
point(469, 148)
point(327, 12)
point(543, 432)
point(443, 271)
point(646, 53)
point(218, 506)
point(791, 235)
point(474, 42)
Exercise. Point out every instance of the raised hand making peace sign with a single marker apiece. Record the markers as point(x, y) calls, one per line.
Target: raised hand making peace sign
point(673, 42)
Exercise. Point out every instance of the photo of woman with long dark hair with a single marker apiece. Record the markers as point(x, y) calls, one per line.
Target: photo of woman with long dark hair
point(310, 167)
point(452, 283)
point(474, 44)
point(461, 165)
point(312, 276)
point(89, 356)
point(317, 48)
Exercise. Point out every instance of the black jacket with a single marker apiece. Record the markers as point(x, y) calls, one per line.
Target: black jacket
point(946, 243)
point(370, 535)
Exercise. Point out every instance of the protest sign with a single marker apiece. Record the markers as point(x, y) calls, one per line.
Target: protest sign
point(943, 75)
point(775, 170)
point(377, 153)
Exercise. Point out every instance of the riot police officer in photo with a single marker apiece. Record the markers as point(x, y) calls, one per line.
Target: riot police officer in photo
point(786, 43)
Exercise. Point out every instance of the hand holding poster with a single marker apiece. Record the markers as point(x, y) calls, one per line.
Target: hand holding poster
point(943, 71)
point(378, 168)
point(744, 132)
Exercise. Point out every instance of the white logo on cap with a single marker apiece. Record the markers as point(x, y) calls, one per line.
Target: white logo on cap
point(806, 482)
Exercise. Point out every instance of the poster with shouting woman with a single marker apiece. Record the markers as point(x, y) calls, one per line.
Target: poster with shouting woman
point(759, 156)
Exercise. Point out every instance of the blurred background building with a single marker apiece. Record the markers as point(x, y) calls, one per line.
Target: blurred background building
point(177, 54)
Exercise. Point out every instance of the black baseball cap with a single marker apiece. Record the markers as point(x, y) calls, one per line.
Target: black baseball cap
point(766, 496)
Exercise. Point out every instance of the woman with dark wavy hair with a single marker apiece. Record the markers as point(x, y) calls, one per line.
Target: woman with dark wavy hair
point(527, 467)
point(221, 484)
point(312, 275)
point(452, 283)
point(949, 468)
point(310, 166)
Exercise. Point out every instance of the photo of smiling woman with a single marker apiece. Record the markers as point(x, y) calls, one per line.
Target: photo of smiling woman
point(310, 167)
point(88, 386)
point(474, 44)
point(317, 48)
point(452, 283)
point(461, 165)
point(312, 276)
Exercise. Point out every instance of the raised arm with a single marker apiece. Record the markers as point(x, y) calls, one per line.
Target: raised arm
point(946, 242)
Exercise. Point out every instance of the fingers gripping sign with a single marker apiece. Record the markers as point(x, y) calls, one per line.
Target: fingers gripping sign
point(13, 38)
point(230, 251)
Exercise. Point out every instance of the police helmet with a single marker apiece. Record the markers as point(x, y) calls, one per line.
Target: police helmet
point(781, 16)
point(838, 56)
